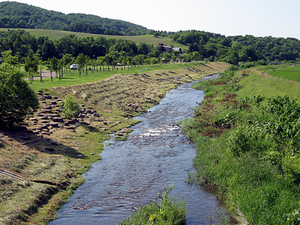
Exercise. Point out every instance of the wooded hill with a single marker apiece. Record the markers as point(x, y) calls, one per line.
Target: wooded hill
point(20, 15)
point(201, 45)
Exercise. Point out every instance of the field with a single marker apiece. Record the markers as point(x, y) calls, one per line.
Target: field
point(73, 77)
point(289, 73)
point(57, 34)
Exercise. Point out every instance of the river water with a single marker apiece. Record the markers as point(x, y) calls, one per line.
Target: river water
point(132, 172)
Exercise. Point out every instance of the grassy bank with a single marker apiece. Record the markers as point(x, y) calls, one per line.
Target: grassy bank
point(50, 161)
point(247, 139)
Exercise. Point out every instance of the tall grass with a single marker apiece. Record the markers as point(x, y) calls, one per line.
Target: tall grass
point(248, 148)
point(167, 212)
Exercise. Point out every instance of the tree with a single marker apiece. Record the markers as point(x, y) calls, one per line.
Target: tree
point(16, 97)
point(31, 64)
point(156, 34)
point(81, 60)
point(53, 66)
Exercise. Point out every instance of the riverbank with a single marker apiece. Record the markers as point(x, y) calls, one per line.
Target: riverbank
point(247, 145)
point(50, 159)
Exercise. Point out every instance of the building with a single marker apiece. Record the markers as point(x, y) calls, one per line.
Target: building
point(164, 48)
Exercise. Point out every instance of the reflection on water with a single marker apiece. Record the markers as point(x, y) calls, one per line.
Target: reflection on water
point(132, 172)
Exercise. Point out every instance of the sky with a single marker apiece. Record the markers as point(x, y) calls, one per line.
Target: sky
point(260, 18)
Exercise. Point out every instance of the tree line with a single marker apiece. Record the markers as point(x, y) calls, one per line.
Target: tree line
point(234, 49)
point(112, 51)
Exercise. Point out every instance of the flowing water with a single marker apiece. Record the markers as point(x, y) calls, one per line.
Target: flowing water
point(132, 172)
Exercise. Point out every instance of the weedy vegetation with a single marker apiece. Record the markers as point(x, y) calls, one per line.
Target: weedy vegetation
point(168, 211)
point(248, 146)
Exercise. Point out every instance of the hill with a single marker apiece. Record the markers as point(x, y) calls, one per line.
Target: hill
point(57, 34)
point(20, 15)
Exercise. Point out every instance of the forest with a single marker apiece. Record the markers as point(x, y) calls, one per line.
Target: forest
point(110, 51)
point(201, 45)
point(19, 15)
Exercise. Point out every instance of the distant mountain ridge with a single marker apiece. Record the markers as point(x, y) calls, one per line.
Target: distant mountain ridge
point(21, 15)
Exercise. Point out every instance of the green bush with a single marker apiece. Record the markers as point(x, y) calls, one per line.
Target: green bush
point(71, 107)
point(16, 97)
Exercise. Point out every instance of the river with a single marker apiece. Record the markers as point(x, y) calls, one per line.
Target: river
point(132, 172)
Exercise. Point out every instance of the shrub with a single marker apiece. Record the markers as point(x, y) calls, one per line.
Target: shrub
point(71, 107)
point(16, 97)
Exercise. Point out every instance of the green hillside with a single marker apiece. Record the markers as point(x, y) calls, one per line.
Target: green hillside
point(57, 34)
point(20, 15)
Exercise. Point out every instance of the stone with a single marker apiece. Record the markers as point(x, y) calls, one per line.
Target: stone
point(49, 149)
point(41, 127)
point(47, 96)
point(44, 111)
point(41, 98)
point(53, 124)
point(58, 119)
point(47, 107)
point(43, 117)
point(96, 115)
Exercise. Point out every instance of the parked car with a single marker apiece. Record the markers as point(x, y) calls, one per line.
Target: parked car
point(74, 67)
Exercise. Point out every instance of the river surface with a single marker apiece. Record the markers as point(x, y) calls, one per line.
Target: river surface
point(132, 172)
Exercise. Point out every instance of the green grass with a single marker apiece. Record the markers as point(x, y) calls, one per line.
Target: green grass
point(168, 212)
point(73, 78)
point(269, 86)
point(289, 73)
point(248, 148)
point(57, 34)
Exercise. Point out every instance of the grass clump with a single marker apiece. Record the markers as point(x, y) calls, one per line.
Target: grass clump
point(248, 146)
point(71, 107)
point(168, 211)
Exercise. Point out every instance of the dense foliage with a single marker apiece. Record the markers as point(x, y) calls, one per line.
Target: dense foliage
point(249, 148)
point(19, 15)
point(16, 97)
point(110, 51)
point(236, 49)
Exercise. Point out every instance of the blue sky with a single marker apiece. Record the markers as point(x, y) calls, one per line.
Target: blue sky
point(228, 17)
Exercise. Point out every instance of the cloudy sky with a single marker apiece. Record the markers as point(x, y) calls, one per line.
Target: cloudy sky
point(261, 18)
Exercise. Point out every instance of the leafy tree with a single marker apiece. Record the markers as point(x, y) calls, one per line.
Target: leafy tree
point(81, 60)
point(8, 58)
point(156, 34)
point(31, 64)
point(53, 65)
point(16, 97)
